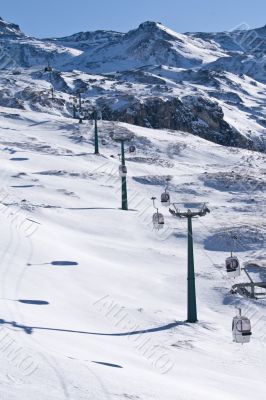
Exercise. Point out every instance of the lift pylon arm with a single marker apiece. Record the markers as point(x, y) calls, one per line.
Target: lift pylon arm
point(192, 214)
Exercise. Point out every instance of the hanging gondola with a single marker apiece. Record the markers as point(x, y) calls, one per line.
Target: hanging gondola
point(241, 329)
point(132, 150)
point(232, 263)
point(233, 266)
point(165, 199)
point(122, 170)
point(158, 220)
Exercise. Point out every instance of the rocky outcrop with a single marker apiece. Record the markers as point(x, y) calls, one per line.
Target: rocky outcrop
point(196, 115)
point(9, 29)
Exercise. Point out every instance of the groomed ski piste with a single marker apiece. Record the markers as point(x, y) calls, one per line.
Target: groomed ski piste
point(93, 299)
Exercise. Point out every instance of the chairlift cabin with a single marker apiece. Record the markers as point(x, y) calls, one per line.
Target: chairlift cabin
point(241, 329)
point(158, 220)
point(132, 150)
point(165, 199)
point(122, 170)
point(232, 266)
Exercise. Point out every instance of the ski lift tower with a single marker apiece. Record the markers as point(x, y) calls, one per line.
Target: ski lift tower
point(80, 107)
point(74, 106)
point(122, 138)
point(49, 70)
point(96, 115)
point(191, 289)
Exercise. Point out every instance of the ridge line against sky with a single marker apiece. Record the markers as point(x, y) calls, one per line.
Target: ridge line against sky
point(55, 18)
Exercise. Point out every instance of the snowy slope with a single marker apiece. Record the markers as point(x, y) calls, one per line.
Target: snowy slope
point(93, 300)
point(240, 39)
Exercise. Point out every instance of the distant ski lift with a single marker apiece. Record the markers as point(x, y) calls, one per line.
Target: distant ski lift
point(165, 199)
point(158, 220)
point(122, 170)
point(232, 266)
point(48, 68)
point(241, 329)
point(132, 150)
point(104, 142)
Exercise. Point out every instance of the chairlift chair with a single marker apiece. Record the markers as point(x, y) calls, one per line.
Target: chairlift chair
point(104, 142)
point(122, 170)
point(232, 266)
point(241, 329)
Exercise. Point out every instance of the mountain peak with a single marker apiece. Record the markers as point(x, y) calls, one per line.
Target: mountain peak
point(156, 28)
point(9, 29)
point(151, 26)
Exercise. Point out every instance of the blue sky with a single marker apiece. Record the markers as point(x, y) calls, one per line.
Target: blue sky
point(44, 18)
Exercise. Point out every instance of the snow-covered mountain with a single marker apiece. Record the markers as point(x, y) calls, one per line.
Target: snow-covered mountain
point(93, 300)
point(148, 45)
point(209, 84)
point(19, 50)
